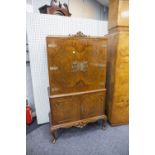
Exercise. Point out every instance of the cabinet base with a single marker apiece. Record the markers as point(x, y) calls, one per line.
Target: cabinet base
point(79, 124)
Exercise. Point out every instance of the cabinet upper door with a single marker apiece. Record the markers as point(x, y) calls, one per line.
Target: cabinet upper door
point(76, 64)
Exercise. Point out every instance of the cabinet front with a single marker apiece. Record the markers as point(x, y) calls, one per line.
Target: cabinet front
point(76, 64)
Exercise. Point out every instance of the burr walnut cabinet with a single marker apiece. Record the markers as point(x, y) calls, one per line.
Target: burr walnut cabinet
point(118, 63)
point(77, 75)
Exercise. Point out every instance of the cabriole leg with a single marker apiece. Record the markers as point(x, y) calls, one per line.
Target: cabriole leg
point(53, 136)
point(104, 123)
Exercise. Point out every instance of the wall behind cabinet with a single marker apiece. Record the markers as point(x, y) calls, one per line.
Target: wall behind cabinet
point(38, 27)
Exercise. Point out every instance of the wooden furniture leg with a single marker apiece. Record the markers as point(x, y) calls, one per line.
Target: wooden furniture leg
point(53, 136)
point(104, 123)
point(53, 132)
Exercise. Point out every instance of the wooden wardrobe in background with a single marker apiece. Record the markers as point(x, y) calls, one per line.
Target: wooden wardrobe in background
point(118, 63)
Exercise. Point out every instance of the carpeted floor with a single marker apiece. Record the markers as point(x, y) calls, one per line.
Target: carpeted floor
point(32, 126)
point(90, 140)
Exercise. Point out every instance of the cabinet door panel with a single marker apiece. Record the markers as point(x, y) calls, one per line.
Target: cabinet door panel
point(92, 104)
point(65, 109)
point(60, 59)
point(95, 54)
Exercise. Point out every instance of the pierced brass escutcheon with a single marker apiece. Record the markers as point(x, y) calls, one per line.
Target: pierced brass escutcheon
point(79, 66)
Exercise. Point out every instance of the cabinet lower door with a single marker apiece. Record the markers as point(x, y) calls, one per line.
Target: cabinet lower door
point(92, 104)
point(65, 109)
